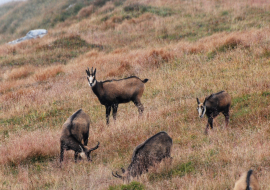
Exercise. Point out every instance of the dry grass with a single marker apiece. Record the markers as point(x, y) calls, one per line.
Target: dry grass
point(18, 73)
point(38, 144)
point(44, 74)
point(36, 100)
point(86, 11)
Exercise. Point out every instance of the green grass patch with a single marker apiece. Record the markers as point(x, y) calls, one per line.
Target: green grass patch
point(249, 107)
point(137, 9)
point(241, 101)
point(179, 170)
point(67, 13)
point(266, 94)
point(59, 51)
point(131, 186)
point(34, 119)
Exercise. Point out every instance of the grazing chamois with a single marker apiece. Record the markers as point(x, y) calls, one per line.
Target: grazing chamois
point(147, 154)
point(113, 92)
point(247, 181)
point(74, 130)
point(213, 105)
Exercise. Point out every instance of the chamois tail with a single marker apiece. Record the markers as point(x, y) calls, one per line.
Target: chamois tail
point(145, 80)
point(248, 179)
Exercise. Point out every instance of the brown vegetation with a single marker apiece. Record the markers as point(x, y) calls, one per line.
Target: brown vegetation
point(187, 49)
point(45, 73)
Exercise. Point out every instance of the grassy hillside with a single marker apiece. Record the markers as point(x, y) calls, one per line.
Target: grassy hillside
point(186, 49)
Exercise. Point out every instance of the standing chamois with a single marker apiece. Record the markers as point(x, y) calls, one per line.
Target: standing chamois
point(147, 154)
point(74, 130)
point(213, 105)
point(247, 181)
point(113, 92)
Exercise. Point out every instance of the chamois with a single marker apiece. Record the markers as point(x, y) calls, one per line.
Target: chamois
point(247, 181)
point(74, 130)
point(113, 92)
point(213, 105)
point(147, 154)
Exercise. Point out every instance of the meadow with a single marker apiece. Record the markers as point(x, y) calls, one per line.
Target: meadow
point(187, 49)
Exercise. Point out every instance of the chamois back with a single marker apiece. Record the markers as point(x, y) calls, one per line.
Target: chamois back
point(74, 131)
point(147, 154)
point(218, 101)
point(77, 125)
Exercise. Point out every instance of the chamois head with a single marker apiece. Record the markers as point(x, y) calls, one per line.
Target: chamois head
point(91, 77)
point(201, 108)
point(85, 153)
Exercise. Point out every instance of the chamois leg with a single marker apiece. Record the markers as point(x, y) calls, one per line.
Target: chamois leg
point(139, 105)
point(227, 117)
point(61, 152)
point(108, 111)
point(85, 139)
point(115, 106)
point(76, 156)
point(210, 122)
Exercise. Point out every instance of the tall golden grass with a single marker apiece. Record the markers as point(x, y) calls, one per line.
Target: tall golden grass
point(36, 100)
point(45, 73)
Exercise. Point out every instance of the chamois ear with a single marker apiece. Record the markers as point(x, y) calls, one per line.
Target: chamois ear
point(198, 101)
point(94, 72)
point(87, 72)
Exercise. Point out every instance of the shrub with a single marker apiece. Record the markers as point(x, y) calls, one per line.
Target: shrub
point(157, 57)
point(86, 11)
point(230, 43)
point(124, 68)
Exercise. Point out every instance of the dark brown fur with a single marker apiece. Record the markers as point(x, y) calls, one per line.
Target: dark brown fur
point(74, 131)
point(113, 92)
point(215, 104)
point(147, 154)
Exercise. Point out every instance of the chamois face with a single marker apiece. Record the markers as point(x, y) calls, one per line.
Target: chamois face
point(91, 77)
point(82, 154)
point(91, 81)
point(201, 108)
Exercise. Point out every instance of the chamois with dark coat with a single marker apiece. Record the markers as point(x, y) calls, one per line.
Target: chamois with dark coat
point(147, 154)
point(213, 105)
point(113, 92)
point(247, 181)
point(74, 131)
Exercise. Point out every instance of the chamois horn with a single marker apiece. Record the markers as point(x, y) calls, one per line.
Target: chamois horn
point(94, 147)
